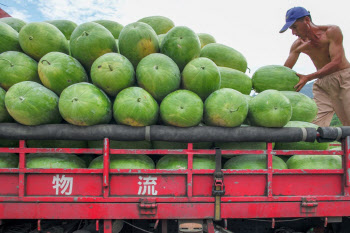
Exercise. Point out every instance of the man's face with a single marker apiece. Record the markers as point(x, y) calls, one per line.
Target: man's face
point(299, 29)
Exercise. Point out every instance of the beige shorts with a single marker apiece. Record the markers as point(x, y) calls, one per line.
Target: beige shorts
point(332, 94)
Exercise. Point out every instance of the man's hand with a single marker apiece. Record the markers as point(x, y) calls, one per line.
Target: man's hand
point(303, 79)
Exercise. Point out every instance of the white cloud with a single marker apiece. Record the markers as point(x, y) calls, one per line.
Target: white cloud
point(20, 14)
point(79, 11)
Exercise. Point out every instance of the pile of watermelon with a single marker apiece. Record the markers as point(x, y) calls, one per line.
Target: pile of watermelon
point(145, 73)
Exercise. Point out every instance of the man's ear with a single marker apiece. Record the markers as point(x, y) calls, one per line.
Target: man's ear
point(307, 21)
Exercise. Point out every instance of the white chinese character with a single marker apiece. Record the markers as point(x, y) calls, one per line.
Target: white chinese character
point(147, 186)
point(62, 184)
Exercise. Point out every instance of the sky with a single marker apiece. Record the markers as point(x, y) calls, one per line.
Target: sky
point(249, 26)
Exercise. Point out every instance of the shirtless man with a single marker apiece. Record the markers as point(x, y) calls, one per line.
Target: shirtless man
point(324, 45)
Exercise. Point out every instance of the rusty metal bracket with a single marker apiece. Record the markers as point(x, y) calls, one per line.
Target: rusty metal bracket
point(308, 205)
point(148, 206)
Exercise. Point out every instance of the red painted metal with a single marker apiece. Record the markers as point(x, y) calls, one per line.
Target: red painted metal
point(107, 226)
point(171, 194)
point(4, 14)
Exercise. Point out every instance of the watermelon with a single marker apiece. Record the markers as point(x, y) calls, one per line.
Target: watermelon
point(182, 108)
point(30, 103)
point(201, 76)
point(114, 27)
point(301, 145)
point(56, 144)
point(136, 41)
point(235, 79)
point(58, 71)
point(182, 45)
point(136, 161)
point(274, 77)
point(224, 56)
point(84, 104)
point(303, 107)
point(122, 144)
point(8, 160)
point(160, 24)
point(158, 75)
point(270, 108)
point(66, 161)
point(180, 145)
point(4, 115)
point(65, 26)
point(160, 38)
point(112, 72)
point(136, 107)
point(225, 107)
point(180, 162)
point(16, 67)
point(205, 39)
point(8, 38)
point(15, 23)
point(39, 38)
point(254, 161)
point(315, 162)
point(89, 41)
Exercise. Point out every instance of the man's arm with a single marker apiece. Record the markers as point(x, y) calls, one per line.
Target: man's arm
point(293, 56)
point(336, 53)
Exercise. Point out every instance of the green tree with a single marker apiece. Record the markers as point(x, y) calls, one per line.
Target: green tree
point(335, 121)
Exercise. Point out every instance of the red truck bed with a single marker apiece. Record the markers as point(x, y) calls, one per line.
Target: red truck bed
point(171, 194)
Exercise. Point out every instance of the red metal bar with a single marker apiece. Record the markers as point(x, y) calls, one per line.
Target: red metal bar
point(98, 225)
point(156, 224)
point(39, 225)
point(51, 150)
point(106, 167)
point(189, 171)
point(22, 165)
point(269, 169)
point(153, 151)
point(107, 226)
point(161, 171)
point(347, 160)
point(210, 226)
point(308, 152)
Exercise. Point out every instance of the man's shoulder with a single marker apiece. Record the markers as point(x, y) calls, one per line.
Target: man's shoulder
point(333, 32)
point(332, 29)
point(296, 44)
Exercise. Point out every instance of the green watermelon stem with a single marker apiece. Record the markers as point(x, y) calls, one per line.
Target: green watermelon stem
point(7, 61)
point(110, 68)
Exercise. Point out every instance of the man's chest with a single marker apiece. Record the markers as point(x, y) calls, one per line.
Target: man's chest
point(319, 47)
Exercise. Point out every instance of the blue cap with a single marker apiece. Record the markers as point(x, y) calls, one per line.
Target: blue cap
point(292, 15)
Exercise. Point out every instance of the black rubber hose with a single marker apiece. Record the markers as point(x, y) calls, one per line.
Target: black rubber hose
point(71, 132)
point(345, 131)
point(330, 134)
point(238, 134)
point(156, 133)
